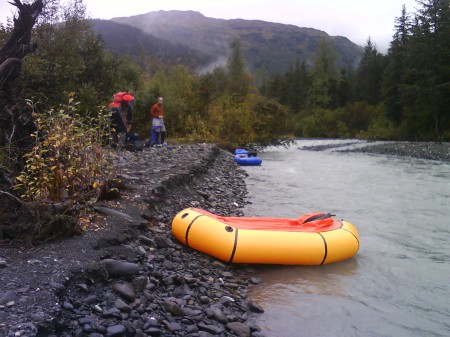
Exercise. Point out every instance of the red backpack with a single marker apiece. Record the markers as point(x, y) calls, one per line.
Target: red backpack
point(118, 98)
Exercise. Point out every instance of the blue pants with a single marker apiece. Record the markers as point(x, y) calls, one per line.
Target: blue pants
point(157, 135)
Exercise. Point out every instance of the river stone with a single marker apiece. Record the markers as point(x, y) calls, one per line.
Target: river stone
point(239, 329)
point(205, 334)
point(254, 307)
point(112, 312)
point(120, 268)
point(151, 322)
point(162, 242)
point(116, 331)
point(255, 280)
point(154, 332)
point(7, 297)
point(217, 314)
point(168, 265)
point(173, 326)
point(125, 290)
point(145, 240)
point(87, 328)
point(90, 299)
point(173, 308)
point(57, 286)
point(210, 328)
point(67, 305)
point(122, 306)
point(139, 283)
point(84, 287)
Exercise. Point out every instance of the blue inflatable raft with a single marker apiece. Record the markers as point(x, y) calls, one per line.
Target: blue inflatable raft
point(246, 158)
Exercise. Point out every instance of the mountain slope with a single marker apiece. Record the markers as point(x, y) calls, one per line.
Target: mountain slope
point(267, 46)
point(125, 39)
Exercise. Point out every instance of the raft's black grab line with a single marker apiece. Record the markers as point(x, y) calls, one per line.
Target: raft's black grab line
point(356, 238)
point(326, 248)
point(189, 228)
point(235, 245)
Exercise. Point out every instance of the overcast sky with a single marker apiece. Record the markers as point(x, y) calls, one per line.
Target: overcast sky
point(354, 19)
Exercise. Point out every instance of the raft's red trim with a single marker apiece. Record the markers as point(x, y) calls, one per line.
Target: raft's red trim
point(278, 224)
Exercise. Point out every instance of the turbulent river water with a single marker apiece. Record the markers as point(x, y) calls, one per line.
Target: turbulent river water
point(399, 282)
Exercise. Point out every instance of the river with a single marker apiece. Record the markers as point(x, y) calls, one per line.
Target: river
point(399, 282)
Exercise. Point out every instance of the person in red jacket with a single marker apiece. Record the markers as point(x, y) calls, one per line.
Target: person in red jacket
point(128, 101)
point(158, 132)
point(122, 108)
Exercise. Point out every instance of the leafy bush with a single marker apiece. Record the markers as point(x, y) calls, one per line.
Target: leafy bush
point(67, 161)
point(319, 123)
point(252, 122)
point(381, 128)
point(350, 121)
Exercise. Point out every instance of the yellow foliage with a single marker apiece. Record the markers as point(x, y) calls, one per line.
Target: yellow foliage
point(62, 163)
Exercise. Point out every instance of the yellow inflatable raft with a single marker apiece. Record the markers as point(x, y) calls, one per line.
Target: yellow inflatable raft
point(312, 239)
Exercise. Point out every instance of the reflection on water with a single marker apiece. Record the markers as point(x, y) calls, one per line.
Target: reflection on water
point(397, 285)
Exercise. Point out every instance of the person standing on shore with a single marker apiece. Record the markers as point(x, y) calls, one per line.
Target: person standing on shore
point(121, 116)
point(158, 132)
point(122, 109)
point(129, 101)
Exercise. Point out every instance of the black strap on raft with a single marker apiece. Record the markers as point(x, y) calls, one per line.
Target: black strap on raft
point(235, 243)
point(319, 217)
point(189, 227)
point(325, 253)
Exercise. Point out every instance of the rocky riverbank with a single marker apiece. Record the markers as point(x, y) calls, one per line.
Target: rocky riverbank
point(439, 151)
point(127, 275)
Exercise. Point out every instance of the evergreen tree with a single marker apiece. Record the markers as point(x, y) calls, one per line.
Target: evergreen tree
point(298, 83)
point(369, 74)
point(346, 89)
point(239, 79)
point(394, 75)
point(291, 88)
point(434, 18)
point(325, 77)
point(426, 88)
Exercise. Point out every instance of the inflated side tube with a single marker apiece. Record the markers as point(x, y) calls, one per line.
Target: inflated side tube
point(218, 237)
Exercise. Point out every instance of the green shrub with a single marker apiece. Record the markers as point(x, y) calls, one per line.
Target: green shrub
point(251, 122)
point(67, 161)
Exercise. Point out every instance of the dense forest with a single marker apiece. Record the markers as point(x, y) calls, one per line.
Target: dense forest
point(57, 77)
point(402, 95)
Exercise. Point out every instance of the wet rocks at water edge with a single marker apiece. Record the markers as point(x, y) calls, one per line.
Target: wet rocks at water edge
point(130, 277)
point(439, 151)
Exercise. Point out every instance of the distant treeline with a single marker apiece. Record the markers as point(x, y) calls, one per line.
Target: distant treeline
point(402, 95)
